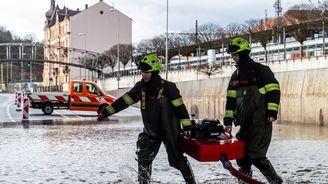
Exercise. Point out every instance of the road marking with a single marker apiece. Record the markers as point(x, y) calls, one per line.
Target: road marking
point(61, 115)
point(8, 113)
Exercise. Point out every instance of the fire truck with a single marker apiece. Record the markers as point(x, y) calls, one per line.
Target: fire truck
point(82, 96)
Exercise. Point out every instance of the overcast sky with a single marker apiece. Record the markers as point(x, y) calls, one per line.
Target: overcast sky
point(149, 16)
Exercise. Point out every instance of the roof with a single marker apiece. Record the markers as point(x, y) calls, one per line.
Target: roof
point(59, 14)
point(291, 17)
point(55, 13)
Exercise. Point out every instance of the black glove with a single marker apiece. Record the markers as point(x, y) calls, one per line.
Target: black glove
point(228, 129)
point(271, 113)
point(227, 121)
point(103, 113)
point(186, 130)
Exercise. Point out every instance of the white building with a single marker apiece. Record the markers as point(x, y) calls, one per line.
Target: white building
point(68, 33)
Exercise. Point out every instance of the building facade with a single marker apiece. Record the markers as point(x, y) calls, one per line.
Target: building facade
point(73, 36)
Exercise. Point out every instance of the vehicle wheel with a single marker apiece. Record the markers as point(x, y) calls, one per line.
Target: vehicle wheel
point(47, 108)
point(100, 107)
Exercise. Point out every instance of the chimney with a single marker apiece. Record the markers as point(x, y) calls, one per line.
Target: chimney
point(86, 6)
point(66, 12)
point(78, 9)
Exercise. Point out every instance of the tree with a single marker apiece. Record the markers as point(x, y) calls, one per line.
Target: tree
point(181, 39)
point(29, 38)
point(158, 45)
point(110, 58)
point(299, 22)
point(125, 54)
point(235, 29)
point(260, 32)
point(144, 47)
point(210, 69)
point(206, 33)
point(102, 62)
point(90, 60)
point(183, 43)
point(5, 35)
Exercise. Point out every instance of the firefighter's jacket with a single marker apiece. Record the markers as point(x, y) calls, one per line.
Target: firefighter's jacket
point(150, 94)
point(253, 95)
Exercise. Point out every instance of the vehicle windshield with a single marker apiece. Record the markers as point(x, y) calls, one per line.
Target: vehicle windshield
point(92, 89)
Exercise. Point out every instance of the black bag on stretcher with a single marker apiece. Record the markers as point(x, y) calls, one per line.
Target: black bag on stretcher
point(209, 142)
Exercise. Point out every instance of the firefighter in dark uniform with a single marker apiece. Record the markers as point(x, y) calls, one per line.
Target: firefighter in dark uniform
point(253, 97)
point(163, 113)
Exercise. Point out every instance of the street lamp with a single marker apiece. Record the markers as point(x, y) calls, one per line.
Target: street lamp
point(118, 45)
point(166, 40)
point(323, 33)
point(84, 53)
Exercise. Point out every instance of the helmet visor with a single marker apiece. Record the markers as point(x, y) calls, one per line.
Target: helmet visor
point(232, 49)
point(144, 66)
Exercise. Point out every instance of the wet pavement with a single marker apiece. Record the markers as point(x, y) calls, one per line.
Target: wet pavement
point(94, 153)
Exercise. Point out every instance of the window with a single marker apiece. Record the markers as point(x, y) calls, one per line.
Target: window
point(311, 46)
point(77, 87)
point(92, 89)
point(296, 48)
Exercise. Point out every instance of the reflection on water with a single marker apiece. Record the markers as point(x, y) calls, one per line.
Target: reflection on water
point(93, 153)
point(282, 131)
point(66, 153)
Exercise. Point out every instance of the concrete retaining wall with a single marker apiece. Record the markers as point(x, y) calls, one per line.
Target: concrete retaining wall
point(304, 96)
point(304, 87)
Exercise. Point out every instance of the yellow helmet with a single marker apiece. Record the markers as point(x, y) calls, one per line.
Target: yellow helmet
point(237, 45)
point(150, 63)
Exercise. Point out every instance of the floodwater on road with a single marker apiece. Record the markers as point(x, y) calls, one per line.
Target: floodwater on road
point(94, 153)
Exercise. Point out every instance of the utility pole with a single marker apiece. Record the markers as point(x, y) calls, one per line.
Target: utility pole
point(323, 33)
point(20, 54)
point(84, 35)
point(278, 10)
point(118, 47)
point(284, 37)
point(166, 41)
point(8, 57)
point(30, 67)
point(197, 50)
point(1, 77)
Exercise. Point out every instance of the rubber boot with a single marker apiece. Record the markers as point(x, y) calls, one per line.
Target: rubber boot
point(144, 173)
point(268, 171)
point(247, 172)
point(187, 173)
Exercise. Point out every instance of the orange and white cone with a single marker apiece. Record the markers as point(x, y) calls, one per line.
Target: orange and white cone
point(26, 108)
point(16, 97)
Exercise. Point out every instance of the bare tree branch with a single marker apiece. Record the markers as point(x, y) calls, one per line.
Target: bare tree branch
point(235, 29)
point(209, 69)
